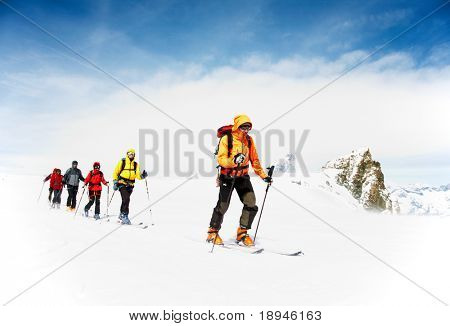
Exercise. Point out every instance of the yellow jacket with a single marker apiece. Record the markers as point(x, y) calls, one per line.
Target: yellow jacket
point(240, 145)
point(128, 171)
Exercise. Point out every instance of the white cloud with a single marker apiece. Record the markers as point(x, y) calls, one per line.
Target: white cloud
point(388, 105)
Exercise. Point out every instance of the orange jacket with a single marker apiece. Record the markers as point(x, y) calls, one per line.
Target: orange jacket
point(240, 145)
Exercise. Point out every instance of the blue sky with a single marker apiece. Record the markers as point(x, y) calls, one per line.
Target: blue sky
point(149, 34)
point(283, 49)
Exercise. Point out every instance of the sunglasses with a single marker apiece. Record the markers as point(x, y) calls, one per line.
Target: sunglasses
point(245, 127)
point(97, 167)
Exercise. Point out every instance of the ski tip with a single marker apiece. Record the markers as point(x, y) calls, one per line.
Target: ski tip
point(298, 253)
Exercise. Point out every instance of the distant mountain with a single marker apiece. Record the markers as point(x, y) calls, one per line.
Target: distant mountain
point(422, 199)
point(286, 164)
point(358, 180)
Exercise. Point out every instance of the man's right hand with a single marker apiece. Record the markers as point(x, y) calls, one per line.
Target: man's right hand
point(115, 186)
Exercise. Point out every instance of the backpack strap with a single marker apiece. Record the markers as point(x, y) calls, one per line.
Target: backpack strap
point(249, 142)
point(230, 142)
point(123, 167)
point(101, 176)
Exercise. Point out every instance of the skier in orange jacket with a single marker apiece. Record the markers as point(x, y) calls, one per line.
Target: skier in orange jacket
point(236, 151)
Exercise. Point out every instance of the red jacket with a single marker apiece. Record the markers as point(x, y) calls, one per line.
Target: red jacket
point(55, 180)
point(95, 179)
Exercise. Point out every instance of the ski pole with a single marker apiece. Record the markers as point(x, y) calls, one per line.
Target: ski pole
point(111, 197)
point(228, 204)
point(264, 201)
point(107, 201)
point(148, 196)
point(79, 203)
point(42, 188)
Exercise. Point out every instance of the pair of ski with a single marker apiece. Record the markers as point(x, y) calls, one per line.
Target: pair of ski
point(139, 225)
point(106, 218)
point(258, 250)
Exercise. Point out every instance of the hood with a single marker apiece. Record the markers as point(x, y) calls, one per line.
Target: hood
point(240, 120)
point(131, 150)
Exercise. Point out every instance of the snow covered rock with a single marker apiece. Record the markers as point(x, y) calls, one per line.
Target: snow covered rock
point(362, 177)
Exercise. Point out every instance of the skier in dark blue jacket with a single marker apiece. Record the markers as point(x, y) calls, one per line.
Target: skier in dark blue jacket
point(72, 179)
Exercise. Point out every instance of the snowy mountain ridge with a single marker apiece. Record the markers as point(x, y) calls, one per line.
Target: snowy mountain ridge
point(422, 199)
point(358, 181)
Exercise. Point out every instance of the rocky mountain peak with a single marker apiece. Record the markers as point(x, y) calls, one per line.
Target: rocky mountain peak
point(362, 176)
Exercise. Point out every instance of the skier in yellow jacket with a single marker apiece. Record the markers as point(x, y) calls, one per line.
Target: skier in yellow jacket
point(124, 176)
point(234, 162)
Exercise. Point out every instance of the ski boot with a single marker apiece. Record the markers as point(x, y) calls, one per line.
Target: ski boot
point(58, 206)
point(125, 219)
point(53, 205)
point(243, 237)
point(213, 235)
point(86, 212)
point(97, 216)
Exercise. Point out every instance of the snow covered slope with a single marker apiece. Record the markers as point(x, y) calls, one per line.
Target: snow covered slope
point(169, 264)
point(422, 199)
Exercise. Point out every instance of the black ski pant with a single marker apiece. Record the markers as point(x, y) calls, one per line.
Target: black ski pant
point(125, 192)
point(72, 199)
point(246, 194)
point(57, 196)
point(94, 197)
point(50, 192)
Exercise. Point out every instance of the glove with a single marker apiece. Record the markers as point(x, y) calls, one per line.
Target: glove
point(269, 180)
point(239, 158)
point(116, 185)
point(144, 174)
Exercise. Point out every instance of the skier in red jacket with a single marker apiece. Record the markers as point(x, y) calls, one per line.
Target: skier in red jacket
point(56, 185)
point(94, 181)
